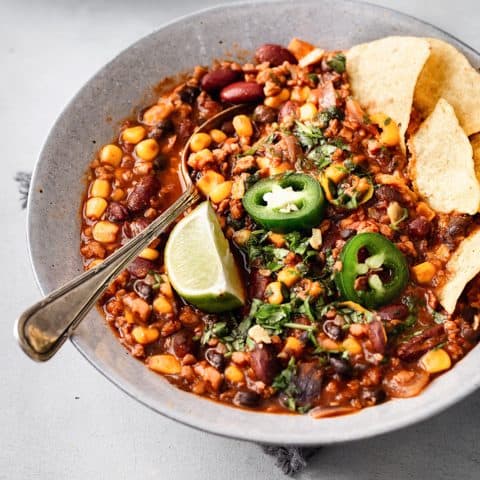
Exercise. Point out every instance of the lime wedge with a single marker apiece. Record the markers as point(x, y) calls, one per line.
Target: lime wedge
point(200, 265)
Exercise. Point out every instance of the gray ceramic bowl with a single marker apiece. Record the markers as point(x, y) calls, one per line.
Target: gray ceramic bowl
point(57, 187)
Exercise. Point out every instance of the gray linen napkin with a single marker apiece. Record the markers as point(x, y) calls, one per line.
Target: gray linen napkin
point(290, 460)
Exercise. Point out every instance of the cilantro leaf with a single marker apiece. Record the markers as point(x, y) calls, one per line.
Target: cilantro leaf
point(337, 62)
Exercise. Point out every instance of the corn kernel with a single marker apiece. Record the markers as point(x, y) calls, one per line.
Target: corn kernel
point(118, 194)
point(277, 239)
point(165, 287)
point(134, 134)
point(328, 344)
point(200, 159)
point(241, 237)
point(129, 317)
point(156, 113)
point(209, 180)
point(149, 254)
point(315, 290)
point(145, 335)
point(390, 135)
point(335, 173)
point(278, 169)
point(217, 135)
point(221, 192)
point(200, 141)
point(95, 207)
point(263, 162)
point(274, 293)
point(277, 100)
point(105, 232)
point(424, 272)
point(94, 263)
point(289, 276)
point(147, 149)
point(308, 111)
point(300, 94)
point(162, 305)
point(425, 211)
point(233, 374)
point(352, 346)
point(166, 364)
point(242, 125)
point(436, 361)
point(293, 347)
point(111, 154)
point(100, 188)
point(299, 48)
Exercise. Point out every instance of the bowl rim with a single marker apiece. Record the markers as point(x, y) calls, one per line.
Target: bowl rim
point(385, 426)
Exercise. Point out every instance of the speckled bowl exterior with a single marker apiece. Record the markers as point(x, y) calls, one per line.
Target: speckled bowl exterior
point(90, 120)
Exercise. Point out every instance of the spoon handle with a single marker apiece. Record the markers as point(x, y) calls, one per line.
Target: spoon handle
point(43, 328)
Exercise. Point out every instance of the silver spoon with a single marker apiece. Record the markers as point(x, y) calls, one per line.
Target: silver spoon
point(43, 328)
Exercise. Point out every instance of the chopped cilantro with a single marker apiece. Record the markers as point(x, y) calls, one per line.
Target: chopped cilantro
point(337, 62)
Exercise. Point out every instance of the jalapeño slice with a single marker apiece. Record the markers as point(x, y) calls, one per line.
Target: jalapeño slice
point(374, 272)
point(283, 204)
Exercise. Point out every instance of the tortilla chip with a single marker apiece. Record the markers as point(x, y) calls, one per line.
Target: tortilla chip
point(383, 75)
point(463, 265)
point(442, 163)
point(475, 142)
point(449, 75)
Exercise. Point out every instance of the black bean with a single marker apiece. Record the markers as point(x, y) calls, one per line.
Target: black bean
point(246, 398)
point(143, 289)
point(215, 359)
point(189, 93)
point(162, 128)
point(388, 193)
point(372, 396)
point(333, 330)
point(341, 366)
point(309, 382)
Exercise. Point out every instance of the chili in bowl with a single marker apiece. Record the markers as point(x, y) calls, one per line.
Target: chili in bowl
point(352, 267)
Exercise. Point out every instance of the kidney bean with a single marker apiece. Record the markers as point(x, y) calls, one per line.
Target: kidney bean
point(144, 190)
point(274, 54)
point(133, 228)
point(143, 289)
point(341, 366)
point(264, 114)
point(388, 193)
point(418, 345)
point(397, 311)
point(215, 359)
point(309, 382)
point(264, 363)
point(288, 111)
point(257, 284)
point(377, 336)
point(215, 80)
point(207, 107)
point(242, 92)
point(116, 212)
point(246, 398)
point(419, 228)
point(182, 343)
point(140, 267)
point(189, 93)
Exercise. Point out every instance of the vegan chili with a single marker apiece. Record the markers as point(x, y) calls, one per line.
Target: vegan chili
point(341, 310)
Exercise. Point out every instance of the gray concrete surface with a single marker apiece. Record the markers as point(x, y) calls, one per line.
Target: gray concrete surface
point(62, 420)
